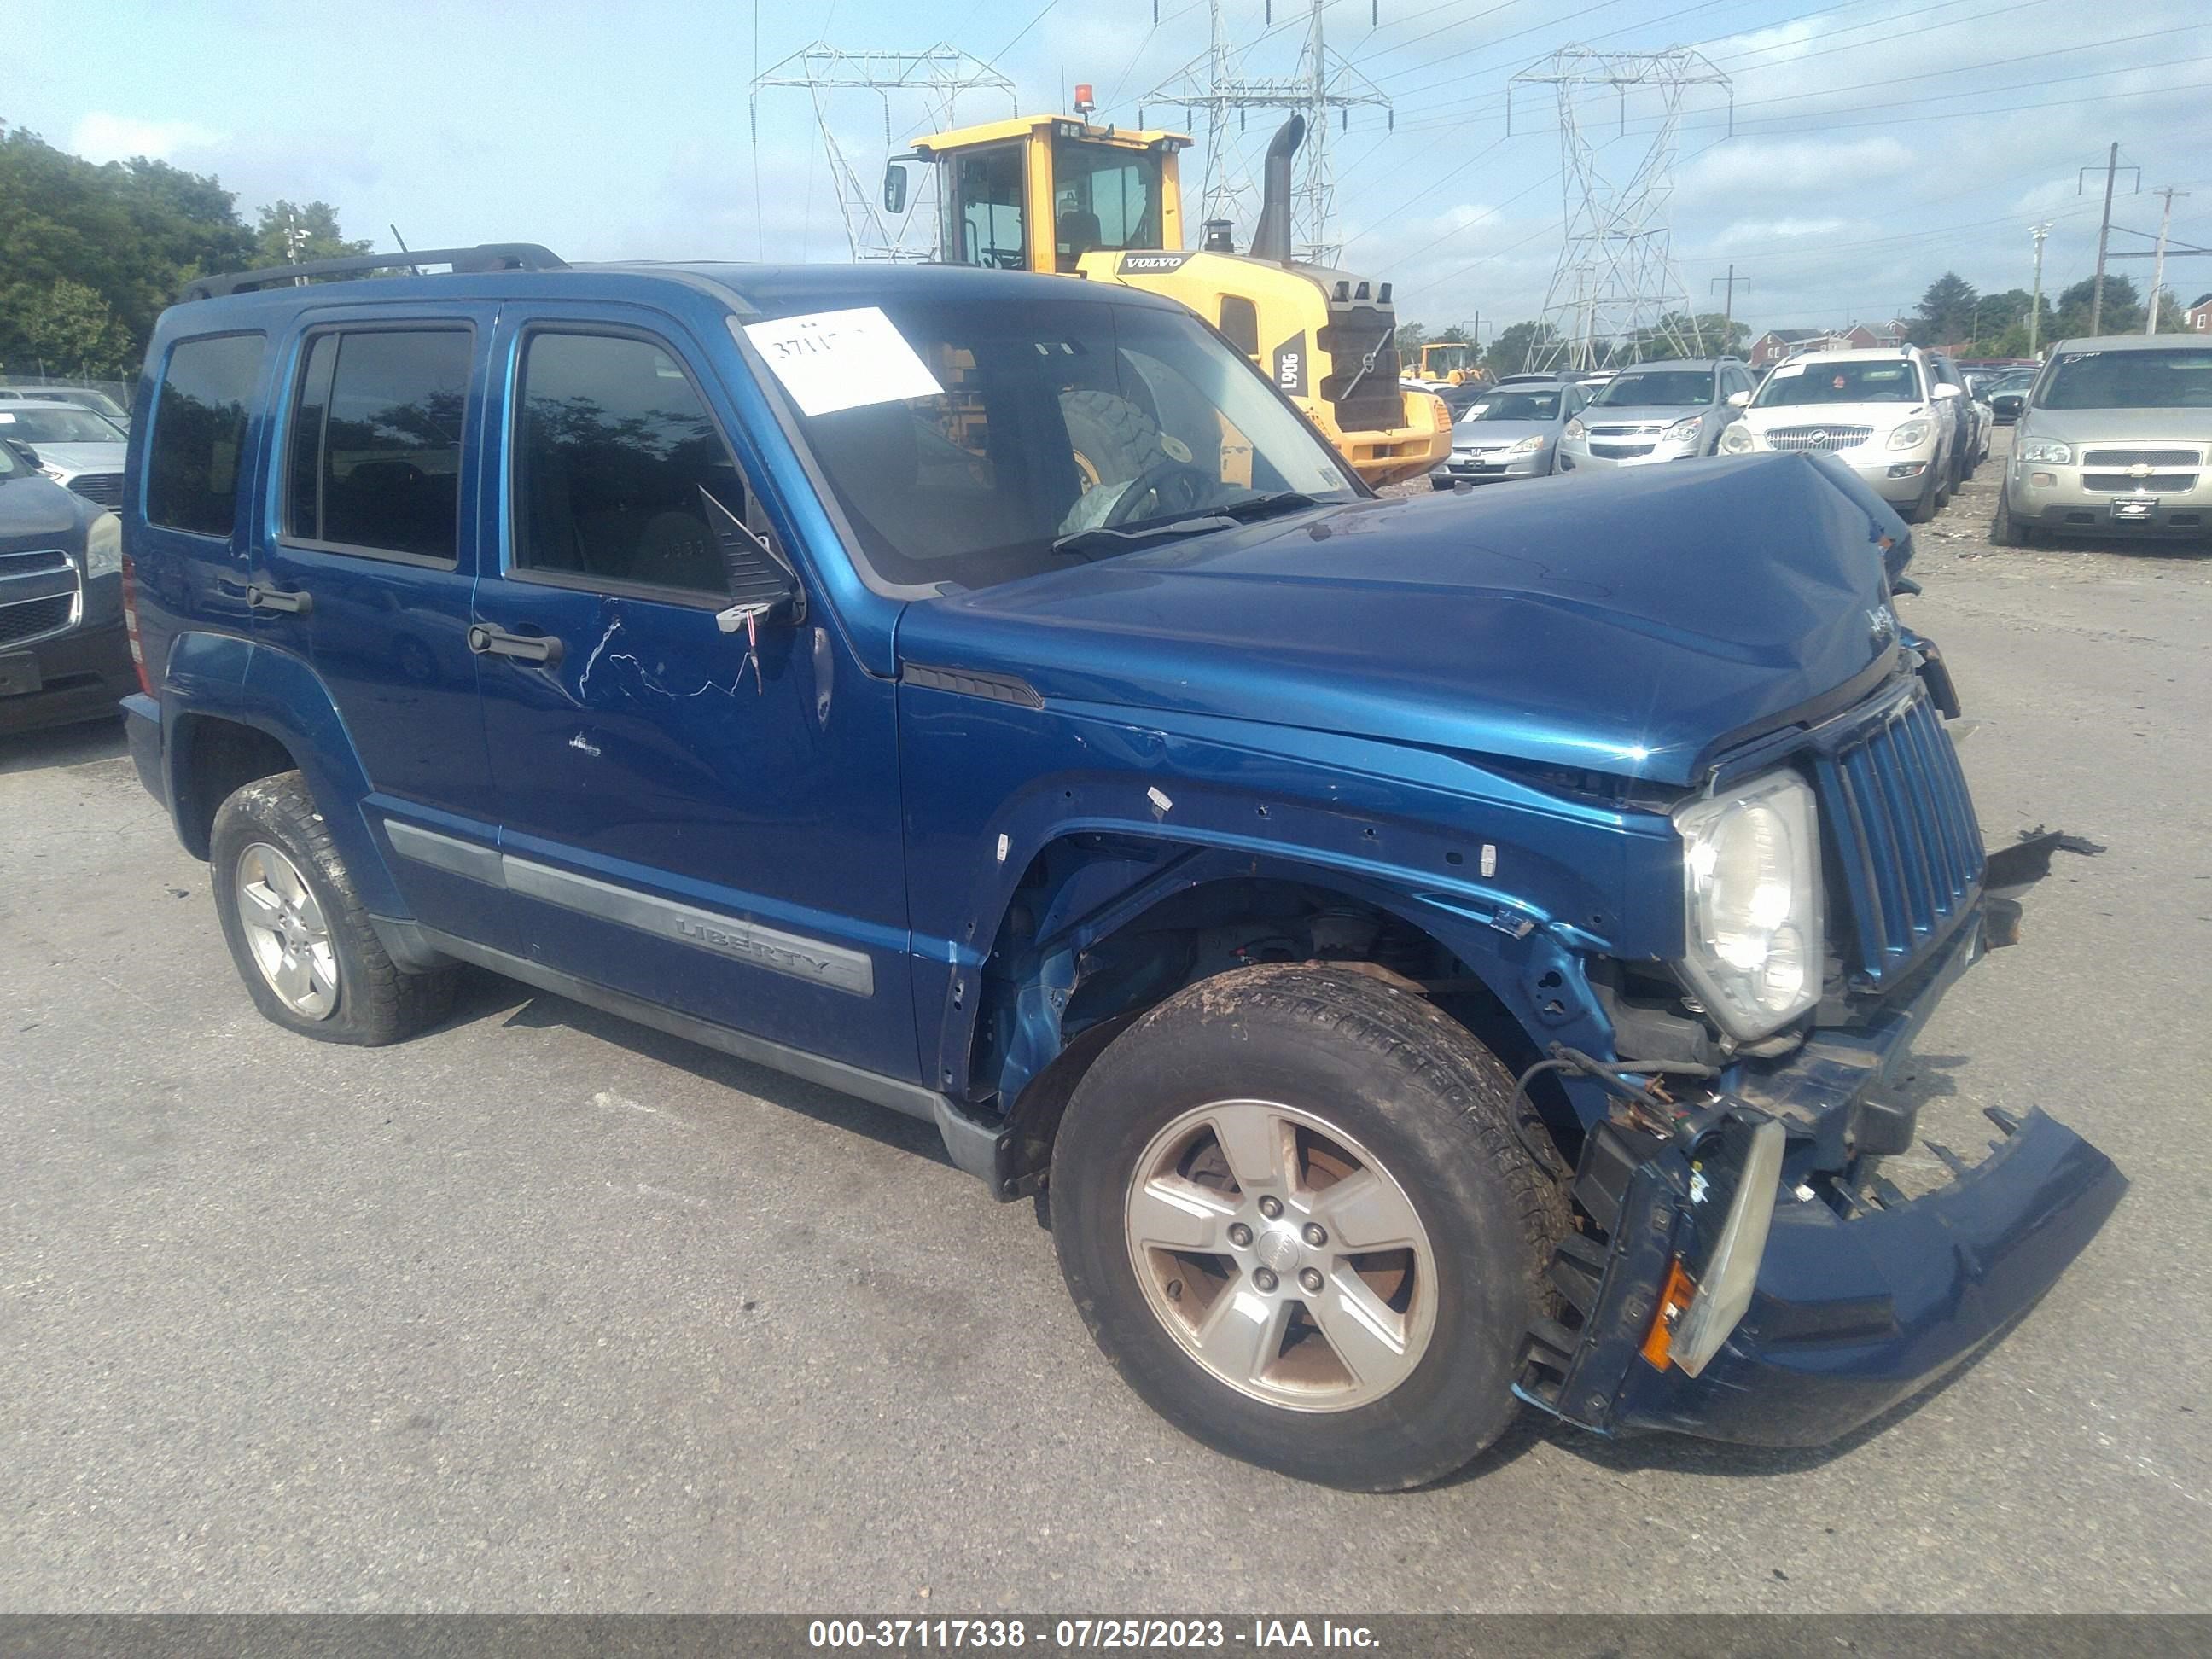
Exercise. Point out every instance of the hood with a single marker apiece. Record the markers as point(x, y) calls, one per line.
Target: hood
point(1642, 414)
point(1880, 416)
point(2079, 426)
point(37, 513)
point(1622, 623)
point(1489, 435)
point(74, 459)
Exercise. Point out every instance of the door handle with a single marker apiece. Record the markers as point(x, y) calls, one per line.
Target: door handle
point(541, 648)
point(297, 602)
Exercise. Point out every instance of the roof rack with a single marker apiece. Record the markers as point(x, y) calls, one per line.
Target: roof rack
point(486, 256)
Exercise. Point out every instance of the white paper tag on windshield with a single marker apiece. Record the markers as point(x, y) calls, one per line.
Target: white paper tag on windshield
point(834, 359)
point(1786, 371)
point(7, 420)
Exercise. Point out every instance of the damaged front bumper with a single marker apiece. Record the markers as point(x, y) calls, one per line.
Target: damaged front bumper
point(1861, 1297)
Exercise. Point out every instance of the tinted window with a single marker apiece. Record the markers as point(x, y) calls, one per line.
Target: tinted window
point(199, 433)
point(375, 457)
point(1106, 198)
point(1053, 418)
point(1683, 388)
point(613, 450)
point(1866, 380)
point(2130, 380)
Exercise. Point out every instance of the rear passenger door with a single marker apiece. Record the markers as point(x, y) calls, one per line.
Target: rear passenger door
point(368, 551)
point(702, 817)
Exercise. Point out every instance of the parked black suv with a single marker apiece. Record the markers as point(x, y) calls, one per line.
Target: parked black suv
point(63, 653)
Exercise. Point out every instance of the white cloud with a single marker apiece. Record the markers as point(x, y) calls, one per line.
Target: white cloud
point(1749, 168)
point(102, 136)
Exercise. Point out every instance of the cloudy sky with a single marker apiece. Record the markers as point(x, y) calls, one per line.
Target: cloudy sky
point(1876, 142)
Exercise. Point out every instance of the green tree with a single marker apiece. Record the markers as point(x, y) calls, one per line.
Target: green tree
point(2123, 312)
point(1509, 352)
point(1707, 334)
point(1946, 314)
point(68, 329)
point(295, 233)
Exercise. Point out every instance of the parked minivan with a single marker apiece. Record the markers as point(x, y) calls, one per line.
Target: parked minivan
point(1431, 955)
point(2114, 440)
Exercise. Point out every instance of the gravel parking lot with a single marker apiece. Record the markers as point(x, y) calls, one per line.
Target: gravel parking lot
point(544, 1311)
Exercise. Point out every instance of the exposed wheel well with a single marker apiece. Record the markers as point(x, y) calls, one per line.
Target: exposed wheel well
point(1193, 934)
point(220, 755)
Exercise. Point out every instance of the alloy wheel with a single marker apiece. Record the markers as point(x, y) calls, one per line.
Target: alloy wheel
point(285, 932)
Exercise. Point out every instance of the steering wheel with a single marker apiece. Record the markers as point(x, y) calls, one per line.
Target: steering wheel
point(1175, 486)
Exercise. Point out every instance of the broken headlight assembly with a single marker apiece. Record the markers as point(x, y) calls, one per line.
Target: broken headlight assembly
point(1738, 440)
point(1751, 889)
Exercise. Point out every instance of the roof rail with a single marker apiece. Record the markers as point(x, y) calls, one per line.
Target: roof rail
point(486, 256)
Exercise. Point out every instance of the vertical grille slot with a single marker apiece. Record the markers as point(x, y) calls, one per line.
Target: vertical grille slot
point(1906, 839)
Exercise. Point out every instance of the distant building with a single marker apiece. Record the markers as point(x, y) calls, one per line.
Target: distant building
point(2197, 319)
point(1777, 343)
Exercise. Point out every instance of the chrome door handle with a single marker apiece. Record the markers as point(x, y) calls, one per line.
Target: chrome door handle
point(297, 602)
point(541, 648)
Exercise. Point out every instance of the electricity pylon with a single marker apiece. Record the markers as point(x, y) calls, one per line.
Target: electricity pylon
point(1616, 285)
point(937, 76)
point(1323, 83)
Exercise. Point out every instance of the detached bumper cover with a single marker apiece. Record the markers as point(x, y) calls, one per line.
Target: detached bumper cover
point(1863, 1298)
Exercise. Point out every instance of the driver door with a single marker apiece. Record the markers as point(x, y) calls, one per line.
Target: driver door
point(695, 812)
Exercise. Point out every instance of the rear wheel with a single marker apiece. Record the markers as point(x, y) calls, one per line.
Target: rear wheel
point(1291, 1209)
point(304, 945)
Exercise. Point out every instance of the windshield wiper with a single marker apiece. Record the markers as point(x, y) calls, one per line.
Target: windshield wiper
point(1105, 539)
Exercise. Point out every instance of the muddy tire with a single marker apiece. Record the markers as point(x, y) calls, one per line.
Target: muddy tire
point(296, 929)
point(1290, 1206)
point(1114, 441)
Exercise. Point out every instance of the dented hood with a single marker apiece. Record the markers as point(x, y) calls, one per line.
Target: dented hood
point(1622, 623)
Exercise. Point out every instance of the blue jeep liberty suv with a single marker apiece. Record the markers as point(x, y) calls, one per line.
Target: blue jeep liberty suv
point(1428, 956)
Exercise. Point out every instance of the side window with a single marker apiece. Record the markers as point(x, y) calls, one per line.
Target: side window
point(199, 433)
point(374, 459)
point(1240, 321)
point(613, 452)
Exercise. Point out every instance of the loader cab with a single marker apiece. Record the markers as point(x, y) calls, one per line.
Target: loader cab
point(1038, 193)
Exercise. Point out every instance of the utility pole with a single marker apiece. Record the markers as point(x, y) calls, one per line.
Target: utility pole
point(2035, 305)
point(1728, 285)
point(2158, 264)
point(2104, 228)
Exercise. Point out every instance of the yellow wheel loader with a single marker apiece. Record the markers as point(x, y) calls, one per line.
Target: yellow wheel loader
point(1055, 193)
point(1450, 362)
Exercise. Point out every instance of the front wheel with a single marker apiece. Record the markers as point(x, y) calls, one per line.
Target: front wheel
point(2007, 532)
point(1290, 1206)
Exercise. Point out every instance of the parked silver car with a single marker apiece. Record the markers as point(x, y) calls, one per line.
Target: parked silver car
point(1511, 433)
point(79, 397)
point(74, 446)
point(2114, 439)
point(1656, 412)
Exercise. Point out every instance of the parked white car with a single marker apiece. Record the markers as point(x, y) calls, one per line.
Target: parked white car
point(1880, 412)
point(74, 448)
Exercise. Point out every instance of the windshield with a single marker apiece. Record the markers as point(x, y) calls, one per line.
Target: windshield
point(98, 402)
point(1514, 406)
point(2130, 380)
point(1876, 380)
point(57, 424)
point(1674, 388)
point(10, 467)
point(1053, 419)
point(1103, 197)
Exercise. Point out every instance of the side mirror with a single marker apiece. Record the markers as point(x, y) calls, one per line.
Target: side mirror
point(762, 581)
point(1947, 392)
point(1738, 399)
point(894, 188)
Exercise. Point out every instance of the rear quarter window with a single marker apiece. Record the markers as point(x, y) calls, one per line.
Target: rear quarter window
point(199, 444)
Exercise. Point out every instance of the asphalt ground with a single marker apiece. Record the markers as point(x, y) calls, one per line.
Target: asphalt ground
point(546, 1311)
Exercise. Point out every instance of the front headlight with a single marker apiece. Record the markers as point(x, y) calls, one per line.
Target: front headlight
point(1527, 446)
point(1739, 439)
point(1682, 431)
point(1575, 429)
point(2044, 452)
point(103, 547)
point(1911, 434)
point(1751, 886)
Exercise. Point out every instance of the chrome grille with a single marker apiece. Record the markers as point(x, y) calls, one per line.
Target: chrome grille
point(1905, 837)
point(39, 593)
point(2153, 484)
point(18, 622)
point(1818, 437)
point(2159, 459)
point(105, 488)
